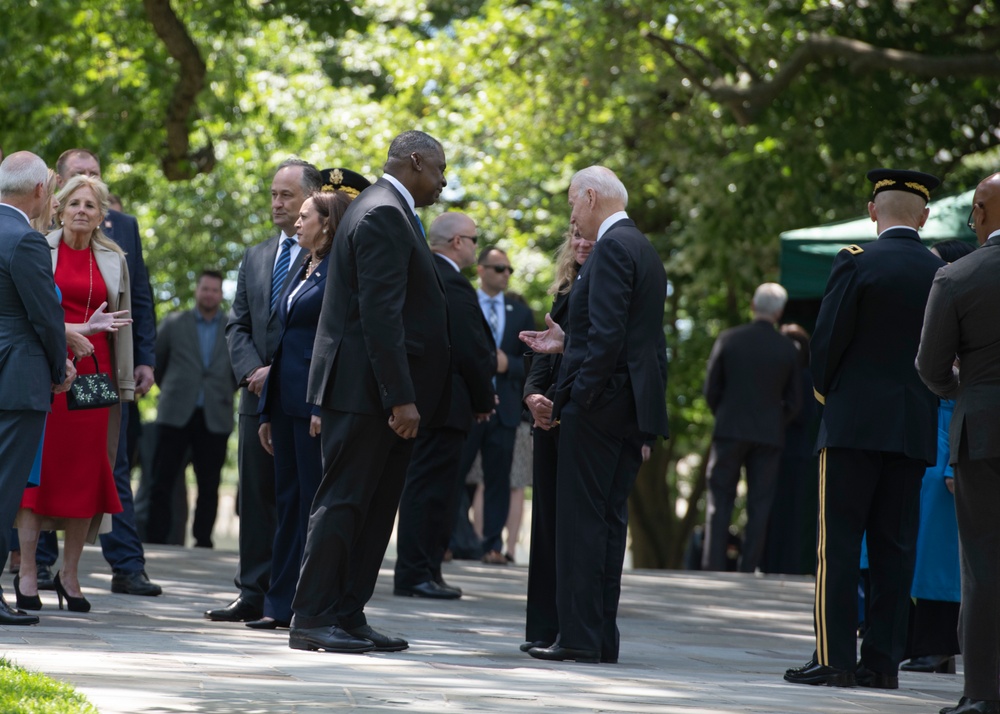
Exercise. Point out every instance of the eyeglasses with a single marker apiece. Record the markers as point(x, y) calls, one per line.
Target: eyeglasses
point(971, 223)
point(474, 239)
point(501, 268)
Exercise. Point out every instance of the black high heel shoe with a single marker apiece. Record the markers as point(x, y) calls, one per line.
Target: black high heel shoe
point(73, 604)
point(26, 602)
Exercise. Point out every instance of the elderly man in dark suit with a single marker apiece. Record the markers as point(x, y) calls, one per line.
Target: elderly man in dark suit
point(877, 436)
point(195, 411)
point(252, 335)
point(753, 390)
point(122, 547)
point(610, 400)
point(428, 506)
point(961, 321)
point(381, 365)
point(32, 340)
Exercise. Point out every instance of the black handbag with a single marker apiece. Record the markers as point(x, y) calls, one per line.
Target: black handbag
point(92, 391)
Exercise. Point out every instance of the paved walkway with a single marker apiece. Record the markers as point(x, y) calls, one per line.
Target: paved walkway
point(691, 644)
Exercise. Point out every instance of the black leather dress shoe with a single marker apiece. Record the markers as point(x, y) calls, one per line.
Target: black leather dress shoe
point(136, 583)
point(558, 653)
point(540, 644)
point(10, 616)
point(383, 643)
point(442, 584)
point(46, 580)
point(267, 623)
point(875, 680)
point(944, 664)
point(329, 639)
point(974, 706)
point(812, 672)
point(430, 589)
point(239, 610)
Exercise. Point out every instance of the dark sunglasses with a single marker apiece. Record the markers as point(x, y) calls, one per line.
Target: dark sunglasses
point(474, 239)
point(501, 268)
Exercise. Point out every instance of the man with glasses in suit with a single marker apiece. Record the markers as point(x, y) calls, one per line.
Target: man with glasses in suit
point(960, 320)
point(494, 439)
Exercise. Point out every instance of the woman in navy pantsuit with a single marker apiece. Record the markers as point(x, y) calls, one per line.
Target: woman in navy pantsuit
point(285, 413)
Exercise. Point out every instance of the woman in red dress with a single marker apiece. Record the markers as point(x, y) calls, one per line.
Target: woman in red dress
point(77, 492)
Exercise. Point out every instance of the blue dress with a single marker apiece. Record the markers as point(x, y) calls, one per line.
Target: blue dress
point(937, 572)
point(936, 575)
point(35, 477)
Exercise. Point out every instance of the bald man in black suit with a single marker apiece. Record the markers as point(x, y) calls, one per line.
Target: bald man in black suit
point(429, 504)
point(380, 370)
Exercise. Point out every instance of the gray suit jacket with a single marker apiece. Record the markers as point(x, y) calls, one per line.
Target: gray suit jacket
point(181, 375)
point(253, 330)
point(32, 331)
point(961, 319)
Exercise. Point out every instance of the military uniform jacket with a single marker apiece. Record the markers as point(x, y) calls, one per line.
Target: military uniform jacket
point(864, 346)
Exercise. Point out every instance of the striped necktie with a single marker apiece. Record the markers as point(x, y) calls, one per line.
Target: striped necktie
point(494, 318)
point(281, 270)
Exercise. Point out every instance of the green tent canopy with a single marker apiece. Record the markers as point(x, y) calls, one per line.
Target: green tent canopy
point(807, 253)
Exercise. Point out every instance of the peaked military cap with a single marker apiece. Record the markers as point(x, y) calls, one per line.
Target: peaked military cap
point(916, 182)
point(350, 182)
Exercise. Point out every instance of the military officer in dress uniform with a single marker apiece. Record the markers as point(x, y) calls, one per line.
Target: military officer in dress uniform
point(876, 438)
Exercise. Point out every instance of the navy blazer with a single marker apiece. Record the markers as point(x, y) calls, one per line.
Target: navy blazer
point(32, 331)
point(614, 341)
point(510, 384)
point(293, 355)
point(123, 229)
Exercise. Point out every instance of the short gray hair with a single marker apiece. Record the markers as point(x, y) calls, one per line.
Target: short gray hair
point(410, 142)
point(769, 300)
point(602, 180)
point(20, 173)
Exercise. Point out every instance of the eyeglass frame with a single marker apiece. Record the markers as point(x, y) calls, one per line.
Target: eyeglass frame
point(971, 223)
point(501, 268)
point(474, 239)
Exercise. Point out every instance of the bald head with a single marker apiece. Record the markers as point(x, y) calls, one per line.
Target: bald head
point(898, 208)
point(453, 234)
point(986, 207)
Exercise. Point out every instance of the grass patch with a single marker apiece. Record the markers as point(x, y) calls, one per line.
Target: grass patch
point(24, 692)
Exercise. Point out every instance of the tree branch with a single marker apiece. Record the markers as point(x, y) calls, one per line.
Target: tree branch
point(180, 163)
point(747, 101)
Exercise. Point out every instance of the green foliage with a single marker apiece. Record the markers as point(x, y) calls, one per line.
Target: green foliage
point(24, 692)
point(677, 98)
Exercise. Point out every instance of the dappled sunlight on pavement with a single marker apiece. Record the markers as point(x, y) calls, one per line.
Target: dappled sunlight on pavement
point(692, 643)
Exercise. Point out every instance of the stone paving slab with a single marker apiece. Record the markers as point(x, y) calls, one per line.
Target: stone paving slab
point(691, 644)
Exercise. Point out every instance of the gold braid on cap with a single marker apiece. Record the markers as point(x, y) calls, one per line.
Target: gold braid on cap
point(919, 187)
point(884, 183)
point(336, 184)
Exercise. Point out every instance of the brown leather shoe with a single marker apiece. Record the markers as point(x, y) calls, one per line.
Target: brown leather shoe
point(494, 557)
